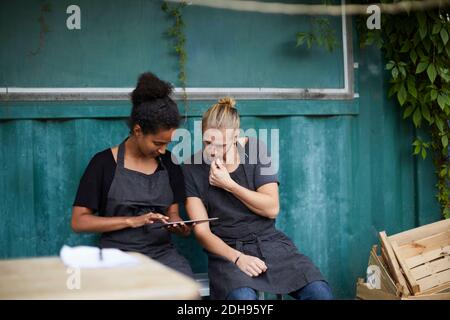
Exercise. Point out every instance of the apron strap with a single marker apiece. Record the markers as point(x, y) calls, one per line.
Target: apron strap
point(243, 153)
point(239, 244)
point(121, 155)
point(161, 163)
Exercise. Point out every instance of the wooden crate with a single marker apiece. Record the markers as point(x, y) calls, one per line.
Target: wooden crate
point(394, 268)
point(387, 284)
point(421, 257)
point(364, 292)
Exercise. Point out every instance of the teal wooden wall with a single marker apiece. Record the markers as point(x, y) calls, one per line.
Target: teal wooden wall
point(346, 167)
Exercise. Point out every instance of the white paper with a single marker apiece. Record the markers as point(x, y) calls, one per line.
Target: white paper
point(89, 257)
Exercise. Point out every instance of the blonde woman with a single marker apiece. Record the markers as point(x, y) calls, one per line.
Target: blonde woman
point(246, 252)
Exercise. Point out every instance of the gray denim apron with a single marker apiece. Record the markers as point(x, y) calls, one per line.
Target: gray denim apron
point(287, 269)
point(134, 193)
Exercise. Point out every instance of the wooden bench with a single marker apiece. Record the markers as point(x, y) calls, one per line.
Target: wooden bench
point(203, 282)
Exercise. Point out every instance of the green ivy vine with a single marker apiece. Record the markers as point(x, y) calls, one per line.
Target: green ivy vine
point(322, 34)
point(416, 47)
point(417, 50)
point(176, 32)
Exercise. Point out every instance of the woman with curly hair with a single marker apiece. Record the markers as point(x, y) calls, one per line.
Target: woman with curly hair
point(136, 187)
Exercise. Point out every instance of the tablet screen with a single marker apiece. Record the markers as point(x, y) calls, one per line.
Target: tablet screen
point(190, 221)
point(187, 222)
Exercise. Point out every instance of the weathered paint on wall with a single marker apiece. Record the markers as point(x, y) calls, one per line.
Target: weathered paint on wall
point(346, 167)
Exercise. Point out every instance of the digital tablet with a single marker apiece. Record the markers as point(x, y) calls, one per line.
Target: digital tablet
point(186, 222)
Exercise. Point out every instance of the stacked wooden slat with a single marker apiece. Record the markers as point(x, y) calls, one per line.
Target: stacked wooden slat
point(414, 264)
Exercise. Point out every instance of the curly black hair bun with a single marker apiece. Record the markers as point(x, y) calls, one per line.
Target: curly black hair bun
point(150, 87)
point(153, 109)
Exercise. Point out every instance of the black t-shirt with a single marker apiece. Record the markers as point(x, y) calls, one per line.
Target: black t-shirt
point(99, 174)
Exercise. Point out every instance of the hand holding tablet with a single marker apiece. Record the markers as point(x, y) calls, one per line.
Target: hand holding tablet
point(185, 222)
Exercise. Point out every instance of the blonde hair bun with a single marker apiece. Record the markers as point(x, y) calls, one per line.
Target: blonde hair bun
point(228, 101)
point(221, 115)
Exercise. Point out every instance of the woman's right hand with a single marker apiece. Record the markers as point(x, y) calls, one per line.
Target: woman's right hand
point(251, 266)
point(148, 218)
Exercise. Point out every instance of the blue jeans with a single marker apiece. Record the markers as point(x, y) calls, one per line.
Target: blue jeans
point(316, 290)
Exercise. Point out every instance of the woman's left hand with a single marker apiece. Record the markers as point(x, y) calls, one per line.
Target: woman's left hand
point(180, 229)
point(219, 176)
